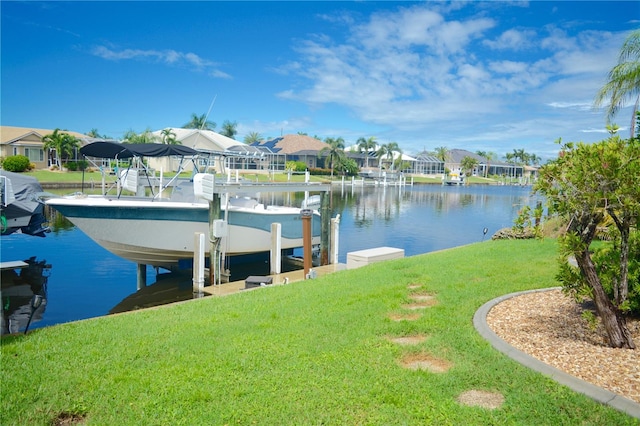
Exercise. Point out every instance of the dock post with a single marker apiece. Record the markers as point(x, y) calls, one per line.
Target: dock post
point(142, 276)
point(214, 214)
point(198, 262)
point(275, 258)
point(335, 232)
point(325, 228)
point(307, 215)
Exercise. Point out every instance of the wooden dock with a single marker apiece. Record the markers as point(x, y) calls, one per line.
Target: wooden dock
point(277, 279)
point(179, 288)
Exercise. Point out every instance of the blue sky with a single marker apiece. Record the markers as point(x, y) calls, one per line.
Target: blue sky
point(491, 76)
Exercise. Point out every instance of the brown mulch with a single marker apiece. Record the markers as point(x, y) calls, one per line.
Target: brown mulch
point(549, 326)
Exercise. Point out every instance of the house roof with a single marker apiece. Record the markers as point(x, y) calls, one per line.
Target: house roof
point(353, 152)
point(10, 134)
point(455, 156)
point(292, 144)
point(222, 141)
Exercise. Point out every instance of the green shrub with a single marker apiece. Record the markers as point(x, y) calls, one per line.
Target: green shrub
point(348, 167)
point(16, 163)
point(77, 165)
point(296, 166)
point(319, 172)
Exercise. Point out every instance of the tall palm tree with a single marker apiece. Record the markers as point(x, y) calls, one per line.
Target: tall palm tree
point(200, 122)
point(386, 151)
point(519, 156)
point(441, 153)
point(252, 137)
point(366, 145)
point(623, 79)
point(490, 156)
point(334, 152)
point(169, 137)
point(229, 129)
point(62, 143)
point(398, 164)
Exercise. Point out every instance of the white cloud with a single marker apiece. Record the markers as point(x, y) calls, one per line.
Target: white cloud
point(512, 39)
point(581, 106)
point(168, 56)
point(414, 70)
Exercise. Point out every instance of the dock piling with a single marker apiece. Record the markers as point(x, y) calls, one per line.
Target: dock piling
point(198, 262)
point(275, 259)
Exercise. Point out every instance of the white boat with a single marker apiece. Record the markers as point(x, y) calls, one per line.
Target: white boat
point(455, 178)
point(160, 232)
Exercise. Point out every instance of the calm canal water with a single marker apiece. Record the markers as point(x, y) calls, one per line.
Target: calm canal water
point(85, 281)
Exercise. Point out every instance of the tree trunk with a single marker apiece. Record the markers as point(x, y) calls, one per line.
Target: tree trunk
point(612, 319)
point(623, 224)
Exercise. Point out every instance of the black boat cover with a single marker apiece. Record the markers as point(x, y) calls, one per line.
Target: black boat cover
point(106, 149)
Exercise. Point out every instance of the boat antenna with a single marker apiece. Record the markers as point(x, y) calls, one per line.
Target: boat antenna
point(206, 117)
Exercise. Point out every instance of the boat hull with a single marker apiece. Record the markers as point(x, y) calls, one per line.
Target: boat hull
point(161, 233)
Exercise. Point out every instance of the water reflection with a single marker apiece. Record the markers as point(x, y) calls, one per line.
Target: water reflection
point(424, 218)
point(420, 218)
point(57, 222)
point(24, 295)
point(90, 281)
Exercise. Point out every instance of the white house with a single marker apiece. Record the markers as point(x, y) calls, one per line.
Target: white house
point(200, 140)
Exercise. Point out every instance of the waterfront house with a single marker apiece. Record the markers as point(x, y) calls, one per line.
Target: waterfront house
point(485, 167)
point(296, 148)
point(27, 141)
point(205, 141)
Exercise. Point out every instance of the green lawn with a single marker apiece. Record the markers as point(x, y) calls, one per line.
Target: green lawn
point(312, 352)
point(48, 176)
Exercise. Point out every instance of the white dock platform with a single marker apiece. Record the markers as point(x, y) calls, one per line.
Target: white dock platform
point(357, 259)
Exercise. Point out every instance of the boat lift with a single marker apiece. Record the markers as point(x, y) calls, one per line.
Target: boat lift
point(206, 187)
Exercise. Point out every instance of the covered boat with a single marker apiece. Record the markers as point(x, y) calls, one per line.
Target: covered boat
point(159, 231)
point(21, 209)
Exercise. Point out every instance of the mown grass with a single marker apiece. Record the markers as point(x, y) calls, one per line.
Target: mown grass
point(312, 352)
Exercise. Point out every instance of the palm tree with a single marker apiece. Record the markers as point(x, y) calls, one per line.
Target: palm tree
point(398, 164)
point(468, 164)
point(252, 137)
point(169, 137)
point(519, 156)
point(229, 129)
point(366, 145)
point(623, 79)
point(93, 133)
point(489, 156)
point(386, 151)
point(612, 128)
point(533, 159)
point(145, 137)
point(334, 152)
point(200, 122)
point(62, 143)
point(441, 153)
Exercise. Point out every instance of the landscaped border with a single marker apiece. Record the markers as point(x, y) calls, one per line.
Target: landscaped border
point(596, 393)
